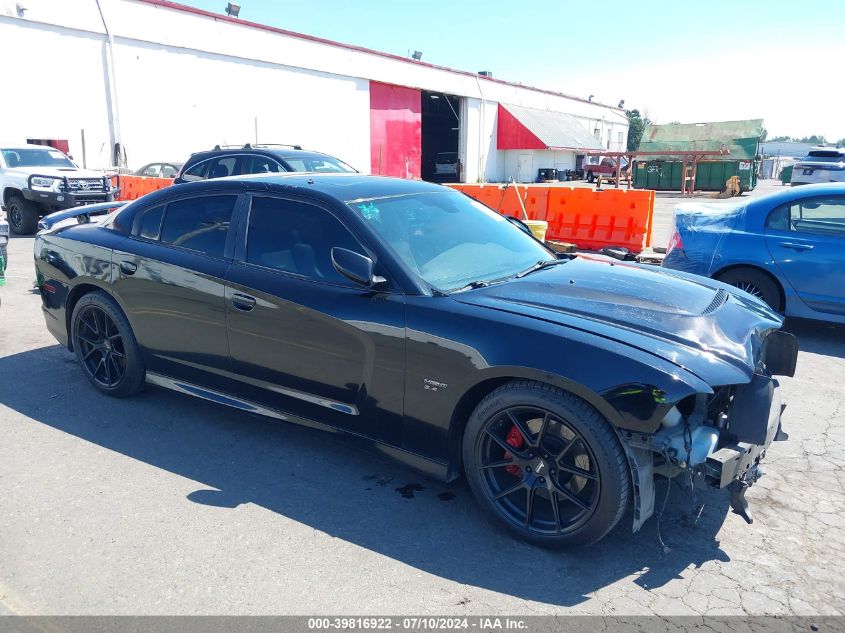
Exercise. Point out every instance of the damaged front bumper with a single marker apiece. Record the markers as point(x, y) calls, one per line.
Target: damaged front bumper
point(755, 423)
point(721, 437)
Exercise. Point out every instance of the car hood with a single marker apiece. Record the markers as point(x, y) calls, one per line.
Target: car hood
point(701, 325)
point(63, 172)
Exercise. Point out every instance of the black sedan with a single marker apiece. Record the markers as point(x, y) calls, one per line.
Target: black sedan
point(415, 320)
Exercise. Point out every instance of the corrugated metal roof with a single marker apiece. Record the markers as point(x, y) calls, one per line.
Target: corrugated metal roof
point(556, 130)
point(739, 137)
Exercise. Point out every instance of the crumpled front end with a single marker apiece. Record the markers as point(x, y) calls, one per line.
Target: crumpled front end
point(720, 437)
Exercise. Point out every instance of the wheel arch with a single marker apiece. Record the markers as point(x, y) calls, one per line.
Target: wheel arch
point(8, 192)
point(475, 393)
point(756, 268)
point(73, 297)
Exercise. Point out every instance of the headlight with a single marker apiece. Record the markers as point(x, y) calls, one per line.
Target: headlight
point(43, 182)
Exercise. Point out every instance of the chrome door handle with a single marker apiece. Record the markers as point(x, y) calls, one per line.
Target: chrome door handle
point(128, 268)
point(243, 302)
point(798, 246)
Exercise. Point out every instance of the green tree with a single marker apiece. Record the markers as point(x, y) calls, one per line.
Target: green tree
point(764, 135)
point(815, 139)
point(636, 126)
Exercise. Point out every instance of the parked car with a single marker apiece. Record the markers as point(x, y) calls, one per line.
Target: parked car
point(596, 166)
point(257, 159)
point(410, 317)
point(446, 166)
point(821, 165)
point(787, 248)
point(36, 180)
point(159, 170)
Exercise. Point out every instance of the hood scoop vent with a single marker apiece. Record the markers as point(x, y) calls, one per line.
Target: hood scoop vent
point(718, 302)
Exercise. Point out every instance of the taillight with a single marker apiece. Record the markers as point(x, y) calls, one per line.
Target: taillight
point(675, 241)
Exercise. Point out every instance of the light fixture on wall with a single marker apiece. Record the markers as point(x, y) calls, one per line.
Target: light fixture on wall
point(233, 9)
point(21, 9)
point(590, 98)
point(417, 55)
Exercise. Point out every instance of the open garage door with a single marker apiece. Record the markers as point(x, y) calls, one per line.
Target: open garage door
point(441, 126)
point(395, 130)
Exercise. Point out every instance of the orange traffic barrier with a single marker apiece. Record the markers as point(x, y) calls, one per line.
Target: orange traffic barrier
point(591, 219)
point(133, 187)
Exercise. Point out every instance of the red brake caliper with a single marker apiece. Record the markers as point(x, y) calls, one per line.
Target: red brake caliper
point(514, 438)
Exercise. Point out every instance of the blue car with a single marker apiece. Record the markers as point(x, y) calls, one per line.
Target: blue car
point(787, 248)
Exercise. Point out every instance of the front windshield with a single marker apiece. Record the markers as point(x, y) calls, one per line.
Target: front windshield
point(449, 239)
point(27, 157)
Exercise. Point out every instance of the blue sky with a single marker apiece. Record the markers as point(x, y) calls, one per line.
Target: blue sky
point(681, 60)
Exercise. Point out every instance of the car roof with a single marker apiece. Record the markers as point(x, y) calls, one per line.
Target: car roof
point(794, 193)
point(341, 187)
point(287, 152)
point(25, 146)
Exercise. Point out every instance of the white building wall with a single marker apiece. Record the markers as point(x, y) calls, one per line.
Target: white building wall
point(184, 82)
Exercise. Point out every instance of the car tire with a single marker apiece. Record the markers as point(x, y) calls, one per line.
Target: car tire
point(105, 346)
point(756, 283)
point(22, 216)
point(585, 489)
point(591, 177)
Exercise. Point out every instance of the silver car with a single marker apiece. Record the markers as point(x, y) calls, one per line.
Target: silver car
point(821, 165)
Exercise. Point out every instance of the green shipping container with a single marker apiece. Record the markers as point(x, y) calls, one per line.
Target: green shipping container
point(663, 172)
point(665, 175)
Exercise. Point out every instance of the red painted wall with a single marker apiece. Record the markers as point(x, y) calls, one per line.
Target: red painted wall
point(511, 134)
point(395, 130)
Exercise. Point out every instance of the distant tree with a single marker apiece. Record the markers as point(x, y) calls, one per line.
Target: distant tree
point(815, 139)
point(840, 142)
point(780, 139)
point(636, 126)
point(764, 135)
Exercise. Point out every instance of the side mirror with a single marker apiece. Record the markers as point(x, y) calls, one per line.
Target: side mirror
point(356, 267)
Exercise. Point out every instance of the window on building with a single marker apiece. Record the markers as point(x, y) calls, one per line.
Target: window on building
point(200, 224)
point(597, 134)
point(621, 137)
point(298, 238)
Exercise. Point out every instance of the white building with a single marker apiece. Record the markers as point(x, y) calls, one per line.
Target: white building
point(162, 80)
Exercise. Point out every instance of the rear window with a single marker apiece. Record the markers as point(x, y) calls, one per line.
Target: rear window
point(824, 156)
point(319, 164)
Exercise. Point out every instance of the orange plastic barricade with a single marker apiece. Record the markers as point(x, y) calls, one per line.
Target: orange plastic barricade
point(133, 187)
point(591, 219)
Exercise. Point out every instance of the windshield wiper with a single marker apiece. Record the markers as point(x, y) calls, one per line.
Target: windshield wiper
point(545, 263)
point(471, 285)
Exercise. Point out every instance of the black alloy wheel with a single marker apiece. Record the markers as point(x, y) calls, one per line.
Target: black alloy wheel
point(100, 345)
point(105, 345)
point(546, 465)
point(539, 471)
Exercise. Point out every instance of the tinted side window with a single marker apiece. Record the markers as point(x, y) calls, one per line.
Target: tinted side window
point(263, 165)
point(222, 167)
point(150, 226)
point(297, 238)
point(197, 172)
point(778, 219)
point(199, 224)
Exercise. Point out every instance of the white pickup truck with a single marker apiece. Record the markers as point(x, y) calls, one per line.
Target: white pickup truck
point(36, 180)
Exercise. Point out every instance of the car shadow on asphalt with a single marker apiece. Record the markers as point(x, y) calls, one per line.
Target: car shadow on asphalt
point(319, 480)
point(818, 337)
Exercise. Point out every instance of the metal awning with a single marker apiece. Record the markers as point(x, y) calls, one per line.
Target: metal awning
point(527, 128)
